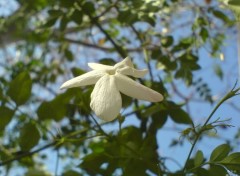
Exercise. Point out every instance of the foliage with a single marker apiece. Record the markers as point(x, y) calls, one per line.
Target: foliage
point(46, 42)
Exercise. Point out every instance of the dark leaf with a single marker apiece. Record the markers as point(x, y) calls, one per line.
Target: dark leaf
point(220, 15)
point(217, 170)
point(77, 16)
point(6, 115)
point(68, 55)
point(234, 2)
point(178, 115)
point(71, 173)
point(167, 41)
point(29, 136)
point(57, 108)
point(20, 88)
point(204, 34)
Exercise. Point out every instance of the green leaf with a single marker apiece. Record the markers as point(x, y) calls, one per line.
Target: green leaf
point(150, 20)
point(68, 55)
point(20, 88)
point(202, 21)
point(52, 110)
point(63, 23)
point(89, 7)
point(198, 160)
point(234, 6)
point(55, 13)
point(29, 136)
point(77, 71)
point(92, 162)
point(221, 16)
point(37, 172)
point(217, 170)
point(71, 173)
point(107, 61)
point(232, 162)
point(158, 120)
point(135, 163)
point(126, 100)
point(151, 110)
point(185, 74)
point(202, 172)
point(178, 115)
point(167, 41)
point(6, 115)
point(50, 22)
point(204, 34)
point(77, 16)
point(234, 2)
point(166, 63)
point(218, 71)
point(57, 108)
point(127, 17)
point(220, 152)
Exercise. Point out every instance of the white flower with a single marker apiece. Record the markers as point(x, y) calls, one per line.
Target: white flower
point(106, 99)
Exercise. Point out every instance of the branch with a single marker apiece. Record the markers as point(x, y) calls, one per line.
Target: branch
point(95, 21)
point(104, 48)
point(28, 153)
point(229, 95)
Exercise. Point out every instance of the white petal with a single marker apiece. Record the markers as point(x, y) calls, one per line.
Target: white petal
point(125, 62)
point(96, 66)
point(83, 80)
point(133, 72)
point(106, 100)
point(133, 89)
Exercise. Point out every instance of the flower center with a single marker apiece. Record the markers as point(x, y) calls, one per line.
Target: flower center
point(111, 72)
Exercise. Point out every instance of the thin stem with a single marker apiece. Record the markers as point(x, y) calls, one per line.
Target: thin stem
point(191, 150)
point(100, 128)
point(56, 142)
point(145, 52)
point(27, 154)
point(104, 48)
point(226, 97)
point(95, 21)
point(216, 107)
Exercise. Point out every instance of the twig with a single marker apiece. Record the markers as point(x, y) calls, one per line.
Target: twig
point(95, 21)
point(229, 95)
point(27, 153)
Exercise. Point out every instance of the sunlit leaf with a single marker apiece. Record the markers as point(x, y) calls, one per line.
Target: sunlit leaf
point(220, 152)
point(232, 162)
point(199, 158)
point(218, 71)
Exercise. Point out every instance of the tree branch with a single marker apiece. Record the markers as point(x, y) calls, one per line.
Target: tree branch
point(18, 157)
point(103, 48)
point(95, 21)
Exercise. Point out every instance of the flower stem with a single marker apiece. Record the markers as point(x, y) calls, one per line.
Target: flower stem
point(230, 94)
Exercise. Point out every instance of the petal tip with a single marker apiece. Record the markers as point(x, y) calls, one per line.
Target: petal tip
point(159, 98)
point(63, 86)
